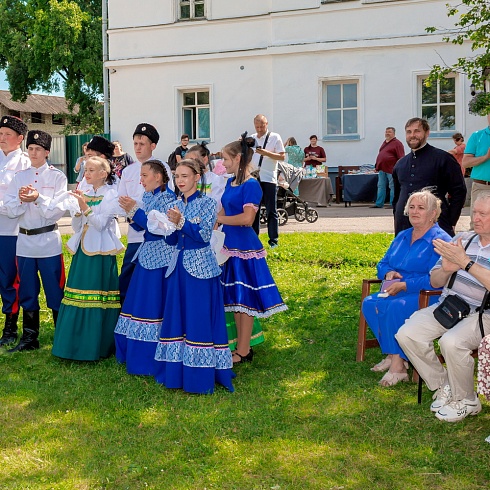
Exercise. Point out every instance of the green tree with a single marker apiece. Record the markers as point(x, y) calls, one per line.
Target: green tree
point(472, 25)
point(53, 45)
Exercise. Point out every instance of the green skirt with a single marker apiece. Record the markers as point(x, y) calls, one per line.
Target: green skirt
point(257, 333)
point(89, 310)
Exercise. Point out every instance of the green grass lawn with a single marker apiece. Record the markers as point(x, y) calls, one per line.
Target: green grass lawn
point(304, 414)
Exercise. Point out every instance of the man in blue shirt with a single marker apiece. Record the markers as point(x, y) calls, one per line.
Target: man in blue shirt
point(477, 157)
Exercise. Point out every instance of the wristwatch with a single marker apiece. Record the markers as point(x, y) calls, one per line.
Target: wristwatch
point(469, 265)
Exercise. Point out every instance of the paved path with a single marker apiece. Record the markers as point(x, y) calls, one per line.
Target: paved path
point(358, 218)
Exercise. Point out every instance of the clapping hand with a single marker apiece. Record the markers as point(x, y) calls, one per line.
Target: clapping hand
point(28, 193)
point(126, 203)
point(453, 254)
point(174, 215)
point(78, 195)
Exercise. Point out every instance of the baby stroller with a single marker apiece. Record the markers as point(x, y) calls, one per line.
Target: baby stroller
point(288, 203)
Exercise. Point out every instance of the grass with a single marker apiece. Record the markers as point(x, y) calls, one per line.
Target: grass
point(304, 415)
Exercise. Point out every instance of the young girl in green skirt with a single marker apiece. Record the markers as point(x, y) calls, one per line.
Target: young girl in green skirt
point(90, 306)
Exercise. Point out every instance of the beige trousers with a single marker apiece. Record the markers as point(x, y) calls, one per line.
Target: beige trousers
point(416, 338)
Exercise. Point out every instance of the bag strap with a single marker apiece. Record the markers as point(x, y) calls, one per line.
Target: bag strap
point(265, 144)
point(481, 310)
point(453, 276)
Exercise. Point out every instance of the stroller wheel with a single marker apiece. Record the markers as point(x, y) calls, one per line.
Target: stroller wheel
point(300, 214)
point(311, 215)
point(282, 216)
point(263, 216)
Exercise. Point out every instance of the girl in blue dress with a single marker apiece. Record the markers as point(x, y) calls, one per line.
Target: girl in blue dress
point(249, 289)
point(138, 327)
point(193, 352)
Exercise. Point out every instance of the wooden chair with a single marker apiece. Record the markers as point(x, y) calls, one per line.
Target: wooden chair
point(363, 343)
point(338, 182)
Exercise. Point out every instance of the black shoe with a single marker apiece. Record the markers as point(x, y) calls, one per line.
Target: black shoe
point(30, 332)
point(248, 358)
point(9, 335)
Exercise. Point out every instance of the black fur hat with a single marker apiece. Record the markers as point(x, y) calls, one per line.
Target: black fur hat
point(40, 138)
point(102, 145)
point(15, 123)
point(147, 130)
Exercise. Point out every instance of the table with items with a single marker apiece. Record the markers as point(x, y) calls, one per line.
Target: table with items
point(359, 187)
point(316, 187)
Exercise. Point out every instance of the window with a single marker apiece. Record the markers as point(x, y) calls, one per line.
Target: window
point(57, 120)
point(36, 117)
point(438, 104)
point(191, 9)
point(341, 109)
point(14, 113)
point(196, 114)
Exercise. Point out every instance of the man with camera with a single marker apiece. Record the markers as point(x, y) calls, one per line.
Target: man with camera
point(462, 270)
point(268, 150)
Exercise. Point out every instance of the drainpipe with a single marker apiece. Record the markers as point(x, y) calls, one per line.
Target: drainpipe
point(105, 58)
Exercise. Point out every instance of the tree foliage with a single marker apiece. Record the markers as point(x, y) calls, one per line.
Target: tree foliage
point(472, 25)
point(53, 45)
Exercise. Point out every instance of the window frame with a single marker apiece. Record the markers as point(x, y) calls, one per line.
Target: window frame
point(459, 119)
point(180, 107)
point(342, 80)
point(192, 9)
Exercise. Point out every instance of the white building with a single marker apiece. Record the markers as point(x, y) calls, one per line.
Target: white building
point(343, 70)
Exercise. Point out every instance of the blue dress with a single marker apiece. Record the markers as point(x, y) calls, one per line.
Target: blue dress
point(138, 327)
point(414, 262)
point(248, 284)
point(193, 352)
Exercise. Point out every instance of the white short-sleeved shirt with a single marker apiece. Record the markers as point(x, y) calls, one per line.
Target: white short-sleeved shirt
point(268, 169)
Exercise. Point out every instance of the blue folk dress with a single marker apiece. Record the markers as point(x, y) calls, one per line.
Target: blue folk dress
point(248, 284)
point(138, 327)
point(193, 352)
point(414, 262)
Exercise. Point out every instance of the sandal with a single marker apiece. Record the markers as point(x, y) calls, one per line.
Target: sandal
point(391, 379)
point(382, 366)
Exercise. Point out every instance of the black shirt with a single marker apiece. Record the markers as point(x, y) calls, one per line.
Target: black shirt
point(429, 167)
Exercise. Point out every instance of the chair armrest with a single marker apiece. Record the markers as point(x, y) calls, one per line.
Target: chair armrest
point(366, 286)
point(424, 296)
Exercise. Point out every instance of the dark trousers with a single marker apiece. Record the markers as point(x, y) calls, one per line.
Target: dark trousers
point(269, 200)
point(52, 271)
point(127, 269)
point(9, 281)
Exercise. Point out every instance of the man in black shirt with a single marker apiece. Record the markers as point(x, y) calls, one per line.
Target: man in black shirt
point(181, 150)
point(427, 166)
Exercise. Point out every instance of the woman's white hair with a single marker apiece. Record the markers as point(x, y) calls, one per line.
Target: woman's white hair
point(431, 201)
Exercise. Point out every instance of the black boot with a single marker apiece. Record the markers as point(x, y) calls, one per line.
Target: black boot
point(30, 332)
point(55, 317)
point(10, 329)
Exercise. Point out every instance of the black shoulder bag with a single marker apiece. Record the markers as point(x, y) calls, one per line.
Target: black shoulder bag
point(453, 308)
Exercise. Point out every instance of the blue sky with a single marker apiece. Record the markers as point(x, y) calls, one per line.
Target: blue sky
point(5, 86)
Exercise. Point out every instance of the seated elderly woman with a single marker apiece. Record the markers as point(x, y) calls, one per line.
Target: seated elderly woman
point(408, 261)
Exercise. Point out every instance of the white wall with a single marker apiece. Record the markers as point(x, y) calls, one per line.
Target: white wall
point(274, 64)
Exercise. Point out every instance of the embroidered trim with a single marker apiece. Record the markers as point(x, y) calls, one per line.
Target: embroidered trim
point(114, 251)
point(145, 331)
point(241, 254)
point(91, 299)
point(250, 204)
point(239, 283)
point(251, 312)
point(218, 357)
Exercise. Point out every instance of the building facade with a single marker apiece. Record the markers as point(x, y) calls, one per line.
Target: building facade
point(342, 70)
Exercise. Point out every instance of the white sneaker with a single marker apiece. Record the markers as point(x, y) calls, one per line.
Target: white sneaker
point(441, 397)
point(458, 410)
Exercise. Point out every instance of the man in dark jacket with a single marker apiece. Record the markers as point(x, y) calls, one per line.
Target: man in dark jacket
point(427, 166)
